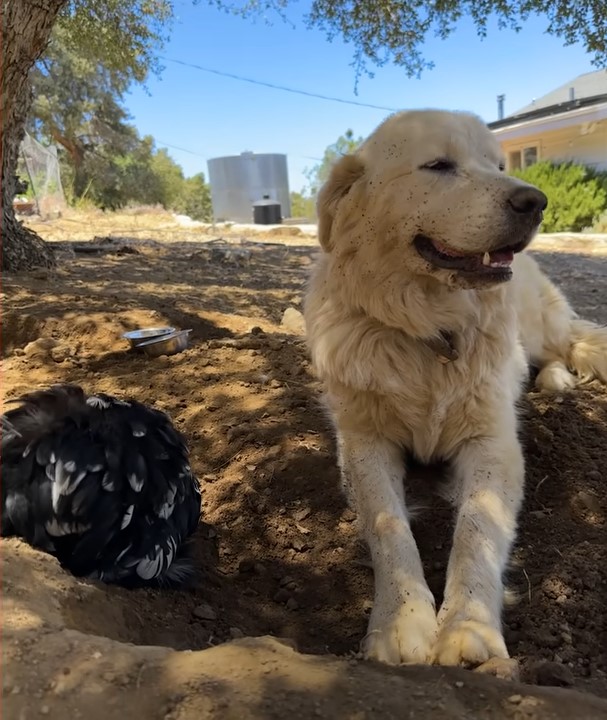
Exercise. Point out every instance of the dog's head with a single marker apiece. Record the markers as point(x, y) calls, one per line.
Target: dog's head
point(427, 194)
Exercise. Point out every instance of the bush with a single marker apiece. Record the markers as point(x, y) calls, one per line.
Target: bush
point(576, 194)
point(600, 226)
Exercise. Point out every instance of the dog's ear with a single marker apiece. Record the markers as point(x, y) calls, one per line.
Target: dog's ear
point(343, 175)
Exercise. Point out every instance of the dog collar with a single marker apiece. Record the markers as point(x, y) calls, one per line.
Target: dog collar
point(443, 345)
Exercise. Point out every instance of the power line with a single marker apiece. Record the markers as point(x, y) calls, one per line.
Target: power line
point(277, 87)
point(176, 147)
point(193, 152)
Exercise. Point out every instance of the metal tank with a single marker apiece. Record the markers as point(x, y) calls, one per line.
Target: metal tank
point(238, 181)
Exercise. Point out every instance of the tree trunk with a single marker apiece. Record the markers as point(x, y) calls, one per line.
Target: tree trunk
point(26, 29)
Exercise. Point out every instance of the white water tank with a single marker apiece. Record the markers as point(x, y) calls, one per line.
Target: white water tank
point(238, 181)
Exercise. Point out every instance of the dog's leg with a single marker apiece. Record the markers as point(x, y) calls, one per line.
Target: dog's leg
point(402, 628)
point(489, 475)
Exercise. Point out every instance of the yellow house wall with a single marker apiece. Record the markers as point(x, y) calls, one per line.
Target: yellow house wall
point(585, 144)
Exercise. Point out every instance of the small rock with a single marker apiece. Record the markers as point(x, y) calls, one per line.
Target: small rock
point(301, 514)
point(236, 633)
point(299, 544)
point(587, 501)
point(293, 322)
point(594, 475)
point(281, 596)
point(515, 699)
point(45, 710)
point(210, 477)
point(205, 612)
point(458, 684)
point(292, 604)
point(246, 566)
point(39, 347)
point(348, 515)
point(60, 353)
point(256, 330)
point(554, 674)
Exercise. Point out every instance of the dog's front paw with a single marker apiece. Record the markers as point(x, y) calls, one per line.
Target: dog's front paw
point(406, 635)
point(469, 643)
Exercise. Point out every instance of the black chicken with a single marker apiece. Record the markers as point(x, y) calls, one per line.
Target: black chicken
point(101, 483)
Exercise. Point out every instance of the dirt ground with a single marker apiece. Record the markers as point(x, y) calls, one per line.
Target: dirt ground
point(278, 547)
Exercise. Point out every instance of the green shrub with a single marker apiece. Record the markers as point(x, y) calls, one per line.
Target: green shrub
point(600, 226)
point(576, 194)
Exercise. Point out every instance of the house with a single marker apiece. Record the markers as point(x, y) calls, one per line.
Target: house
point(567, 124)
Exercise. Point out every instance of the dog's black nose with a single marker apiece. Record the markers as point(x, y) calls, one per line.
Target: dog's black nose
point(527, 200)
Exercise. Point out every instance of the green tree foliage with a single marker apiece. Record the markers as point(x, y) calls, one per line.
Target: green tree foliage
point(576, 196)
point(383, 31)
point(195, 199)
point(303, 206)
point(79, 106)
point(125, 36)
point(344, 145)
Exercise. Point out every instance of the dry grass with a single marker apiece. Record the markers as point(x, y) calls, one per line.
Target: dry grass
point(151, 223)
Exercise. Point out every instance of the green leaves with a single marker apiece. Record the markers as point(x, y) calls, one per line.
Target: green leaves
point(125, 36)
point(344, 145)
point(394, 31)
point(577, 195)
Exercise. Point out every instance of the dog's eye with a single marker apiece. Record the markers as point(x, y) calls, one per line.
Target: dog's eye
point(502, 167)
point(440, 165)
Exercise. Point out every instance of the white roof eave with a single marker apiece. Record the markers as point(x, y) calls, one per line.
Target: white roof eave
point(535, 126)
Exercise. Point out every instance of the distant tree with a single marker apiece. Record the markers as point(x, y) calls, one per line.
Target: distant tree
point(78, 105)
point(344, 145)
point(303, 205)
point(127, 34)
point(123, 34)
point(195, 199)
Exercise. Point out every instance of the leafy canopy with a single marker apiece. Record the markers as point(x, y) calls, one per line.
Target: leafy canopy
point(319, 174)
point(383, 31)
point(123, 35)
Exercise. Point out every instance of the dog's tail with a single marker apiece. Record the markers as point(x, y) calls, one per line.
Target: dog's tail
point(588, 351)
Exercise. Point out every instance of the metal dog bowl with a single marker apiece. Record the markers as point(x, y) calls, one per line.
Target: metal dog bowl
point(137, 337)
point(166, 345)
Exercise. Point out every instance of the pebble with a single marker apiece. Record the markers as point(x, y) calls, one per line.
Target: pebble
point(60, 353)
point(458, 684)
point(302, 514)
point(205, 612)
point(281, 596)
point(236, 633)
point(292, 604)
point(554, 674)
point(299, 545)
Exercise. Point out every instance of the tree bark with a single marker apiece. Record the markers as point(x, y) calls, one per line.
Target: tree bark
point(26, 29)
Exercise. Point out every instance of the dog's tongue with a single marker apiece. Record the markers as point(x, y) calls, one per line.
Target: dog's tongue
point(502, 256)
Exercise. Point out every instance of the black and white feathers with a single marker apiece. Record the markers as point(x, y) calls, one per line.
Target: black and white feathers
point(101, 483)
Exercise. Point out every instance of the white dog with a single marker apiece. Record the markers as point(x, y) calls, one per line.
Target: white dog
point(422, 317)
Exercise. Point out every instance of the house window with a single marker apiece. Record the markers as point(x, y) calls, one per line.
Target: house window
point(514, 160)
point(523, 158)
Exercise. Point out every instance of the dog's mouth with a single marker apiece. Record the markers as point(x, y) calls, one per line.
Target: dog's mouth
point(492, 266)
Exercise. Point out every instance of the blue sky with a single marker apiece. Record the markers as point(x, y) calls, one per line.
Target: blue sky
point(213, 116)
